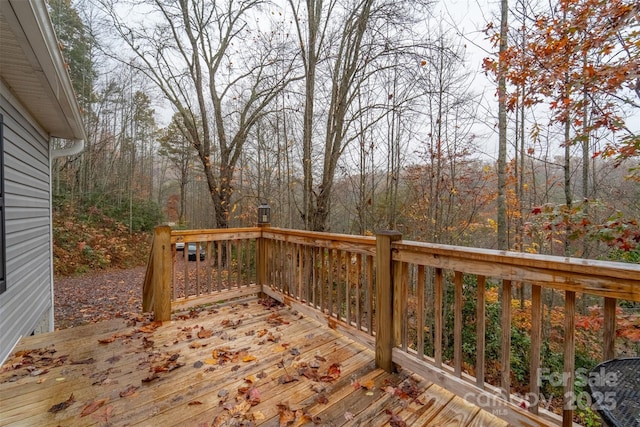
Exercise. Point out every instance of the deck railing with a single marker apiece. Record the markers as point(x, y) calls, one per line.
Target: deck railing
point(390, 295)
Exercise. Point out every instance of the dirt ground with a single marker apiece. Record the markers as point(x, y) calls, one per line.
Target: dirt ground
point(97, 296)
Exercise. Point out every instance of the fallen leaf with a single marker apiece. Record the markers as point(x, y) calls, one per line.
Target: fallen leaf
point(390, 390)
point(195, 402)
point(285, 379)
point(153, 376)
point(104, 414)
point(257, 416)
point(91, 407)
point(369, 385)
point(396, 421)
point(286, 415)
point(111, 339)
point(148, 328)
point(248, 358)
point(322, 399)
point(62, 405)
point(129, 391)
point(333, 373)
point(205, 333)
point(254, 396)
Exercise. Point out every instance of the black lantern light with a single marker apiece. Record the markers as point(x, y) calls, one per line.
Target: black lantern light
point(264, 214)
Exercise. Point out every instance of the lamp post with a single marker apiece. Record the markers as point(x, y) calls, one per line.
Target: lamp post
point(264, 214)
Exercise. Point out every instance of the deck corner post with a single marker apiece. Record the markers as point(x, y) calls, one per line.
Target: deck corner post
point(384, 299)
point(261, 258)
point(162, 273)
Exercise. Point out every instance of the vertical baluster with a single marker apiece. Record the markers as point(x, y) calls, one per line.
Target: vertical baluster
point(330, 281)
point(609, 341)
point(480, 332)
point(402, 282)
point(569, 357)
point(240, 262)
point(219, 259)
point(536, 344)
point(505, 351)
point(457, 327)
point(174, 283)
point(370, 294)
point(437, 301)
point(299, 262)
point(420, 312)
point(208, 262)
point(361, 277)
point(339, 283)
point(185, 258)
point(348, 288)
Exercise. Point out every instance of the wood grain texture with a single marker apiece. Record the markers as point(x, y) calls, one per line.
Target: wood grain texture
point(199, 392)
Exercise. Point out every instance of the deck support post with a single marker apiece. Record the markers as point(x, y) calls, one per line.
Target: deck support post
point(261, 258)
point(385, 321)
point(161, 276)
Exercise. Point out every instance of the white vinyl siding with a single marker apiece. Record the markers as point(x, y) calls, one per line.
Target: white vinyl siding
point(27, 298)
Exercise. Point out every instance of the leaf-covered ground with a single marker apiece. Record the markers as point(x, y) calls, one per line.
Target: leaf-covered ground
point(96, 296)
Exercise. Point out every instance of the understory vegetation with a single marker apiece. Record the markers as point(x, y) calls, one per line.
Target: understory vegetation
point(97, 234)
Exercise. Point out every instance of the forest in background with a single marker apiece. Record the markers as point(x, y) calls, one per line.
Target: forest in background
point(358, 116)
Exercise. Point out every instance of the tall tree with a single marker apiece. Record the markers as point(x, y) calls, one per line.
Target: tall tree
point(191, 51)
point(503, 239)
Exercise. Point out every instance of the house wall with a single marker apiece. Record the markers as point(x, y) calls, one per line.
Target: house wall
point(27, 304)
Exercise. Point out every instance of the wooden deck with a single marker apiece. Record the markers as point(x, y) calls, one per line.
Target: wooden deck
point(240, 364)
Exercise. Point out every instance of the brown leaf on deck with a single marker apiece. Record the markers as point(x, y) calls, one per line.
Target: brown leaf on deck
point(286, 415)
point(333, 373)
point(129, 391)
point(62, 405)
point(91, 407)
point(253, 396)
point(285, 379)
point(322, 399)
point(397, 421)
point(150, 327)
point(205, 333)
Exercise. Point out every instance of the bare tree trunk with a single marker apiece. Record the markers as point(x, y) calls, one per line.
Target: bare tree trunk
point(503, 242)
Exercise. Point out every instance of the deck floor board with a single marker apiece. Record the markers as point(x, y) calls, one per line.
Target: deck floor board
point(251, 363)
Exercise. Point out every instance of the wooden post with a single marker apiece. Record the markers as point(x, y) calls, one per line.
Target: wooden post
point(162, 273)
point(384, 299)
point(261, 258)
